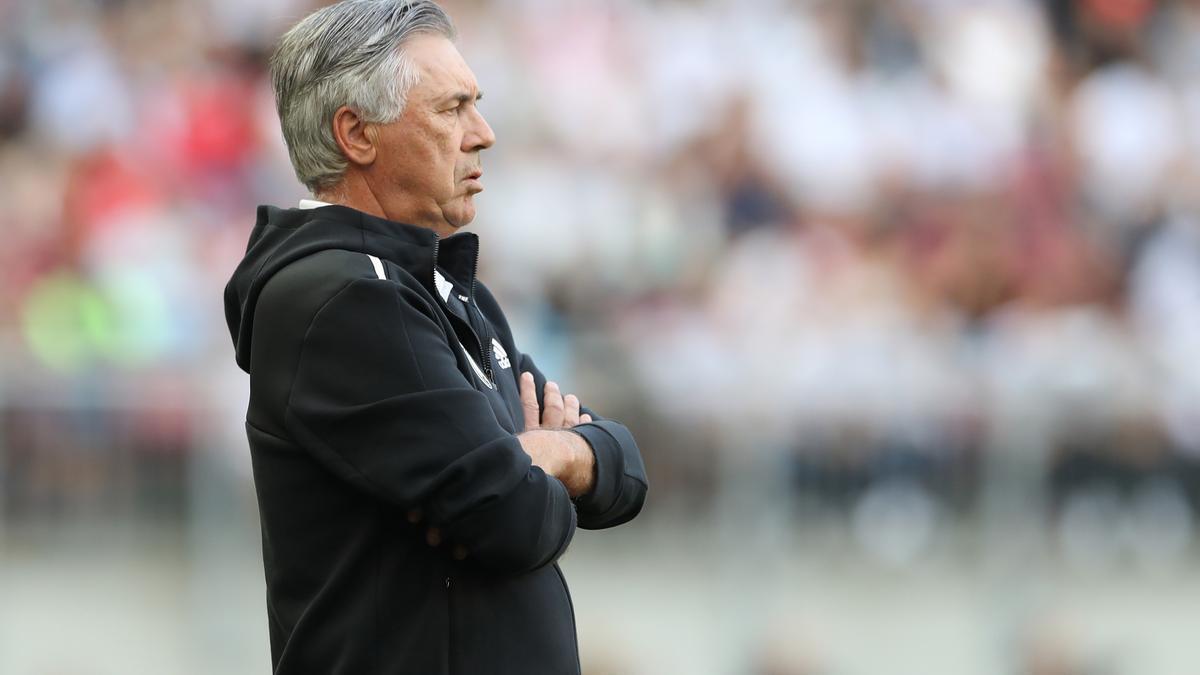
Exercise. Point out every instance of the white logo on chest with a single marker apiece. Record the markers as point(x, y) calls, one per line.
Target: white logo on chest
point(500, 354)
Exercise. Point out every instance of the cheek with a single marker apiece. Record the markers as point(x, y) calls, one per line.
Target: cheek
point(432, 150)
point(450, 155)
point(430, 156)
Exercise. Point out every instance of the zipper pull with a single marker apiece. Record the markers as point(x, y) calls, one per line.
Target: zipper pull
point(447, 582)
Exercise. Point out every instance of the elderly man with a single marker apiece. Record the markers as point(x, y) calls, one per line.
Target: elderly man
point(417, 476)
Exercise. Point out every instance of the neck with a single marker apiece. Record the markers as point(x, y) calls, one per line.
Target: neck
point(356, 192)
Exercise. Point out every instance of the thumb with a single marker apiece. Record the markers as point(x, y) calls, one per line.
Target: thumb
point(529, 403)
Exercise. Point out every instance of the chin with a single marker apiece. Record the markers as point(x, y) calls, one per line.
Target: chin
point(461, 217)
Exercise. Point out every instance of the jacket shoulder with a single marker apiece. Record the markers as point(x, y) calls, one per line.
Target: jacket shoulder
point(288, 306)
point(305, 285)
point(308, 272)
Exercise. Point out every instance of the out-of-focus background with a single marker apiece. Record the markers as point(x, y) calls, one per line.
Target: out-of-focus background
point(901, 299)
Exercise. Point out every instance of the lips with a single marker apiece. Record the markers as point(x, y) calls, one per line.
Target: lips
point(472, 181)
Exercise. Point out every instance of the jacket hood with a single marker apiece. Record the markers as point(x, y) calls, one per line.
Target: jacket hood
point(283, 236)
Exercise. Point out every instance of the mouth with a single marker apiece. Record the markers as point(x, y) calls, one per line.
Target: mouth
point(473, 185)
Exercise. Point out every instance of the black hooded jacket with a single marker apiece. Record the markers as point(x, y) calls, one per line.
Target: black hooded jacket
point(383, 387)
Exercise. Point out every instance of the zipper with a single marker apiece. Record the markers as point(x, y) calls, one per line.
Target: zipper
point(449, 628)
point(485, 353)
point(484, 360)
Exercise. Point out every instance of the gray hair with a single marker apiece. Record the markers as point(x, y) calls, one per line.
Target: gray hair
point(347, 54)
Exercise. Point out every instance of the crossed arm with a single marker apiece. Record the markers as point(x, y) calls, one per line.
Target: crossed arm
point(550, 445)
point(618, 475)
point(384, 406)
point(560, 453)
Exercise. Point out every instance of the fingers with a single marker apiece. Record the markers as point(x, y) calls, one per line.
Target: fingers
point(433, 535)
point(570, 410)
point(553, 408)
point(557, 411)
point(529, 403)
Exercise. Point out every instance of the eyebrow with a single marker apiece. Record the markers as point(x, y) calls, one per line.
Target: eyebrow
point(463, 97)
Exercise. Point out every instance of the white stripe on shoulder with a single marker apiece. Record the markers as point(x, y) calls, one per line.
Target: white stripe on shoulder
point(378, 265)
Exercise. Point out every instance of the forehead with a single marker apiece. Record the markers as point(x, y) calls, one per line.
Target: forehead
point(443, 70)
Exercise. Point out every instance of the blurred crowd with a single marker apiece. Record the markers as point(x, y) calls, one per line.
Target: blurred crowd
point(888, 249)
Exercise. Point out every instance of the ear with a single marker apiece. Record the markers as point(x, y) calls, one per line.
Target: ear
point(354, 137)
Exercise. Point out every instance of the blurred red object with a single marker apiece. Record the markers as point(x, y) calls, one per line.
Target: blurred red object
point(1119, 13)
point(103, 184)
point(220, 134)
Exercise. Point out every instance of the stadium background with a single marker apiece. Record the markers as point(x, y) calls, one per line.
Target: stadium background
point(899, 298)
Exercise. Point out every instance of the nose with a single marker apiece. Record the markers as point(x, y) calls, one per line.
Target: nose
point(480, 135)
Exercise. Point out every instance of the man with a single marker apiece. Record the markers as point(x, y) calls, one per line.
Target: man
point(417, 476)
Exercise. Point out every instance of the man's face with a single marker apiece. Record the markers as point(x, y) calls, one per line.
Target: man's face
point(428, 165)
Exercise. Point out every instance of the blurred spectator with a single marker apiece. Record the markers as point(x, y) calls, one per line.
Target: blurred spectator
point(881, 267)
point(862, 242)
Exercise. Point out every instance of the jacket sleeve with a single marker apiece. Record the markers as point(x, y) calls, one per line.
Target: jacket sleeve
point(378, 398)
point(620, 489)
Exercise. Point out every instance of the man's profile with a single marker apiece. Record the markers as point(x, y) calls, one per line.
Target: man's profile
point(417, 476)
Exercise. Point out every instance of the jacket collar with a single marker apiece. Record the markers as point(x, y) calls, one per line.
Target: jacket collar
point(418, 250)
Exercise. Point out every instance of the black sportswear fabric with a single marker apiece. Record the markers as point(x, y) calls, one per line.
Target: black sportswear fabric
point(378, 411)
